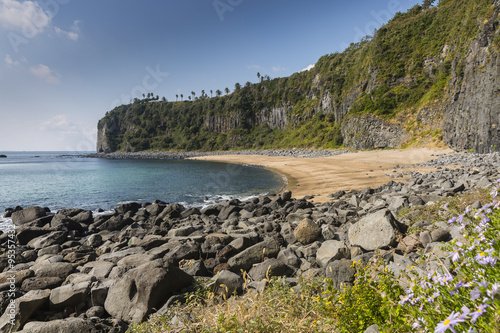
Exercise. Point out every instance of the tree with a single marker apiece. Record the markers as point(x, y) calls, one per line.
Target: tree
point(258, 76)
point(227, 90)
point(237, 86)
point(182, 96)
point(193, 93)
point(163, 99)
point(202, 93)
point(143, 96)
point(157, 97)
point(189, 97)
point(248, 84)
point(149, 95)
point(211, 92)
point(176, 97)
point(427, 4)
point(218, 92)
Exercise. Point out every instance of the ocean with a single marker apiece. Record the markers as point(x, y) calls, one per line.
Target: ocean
point(67, 180)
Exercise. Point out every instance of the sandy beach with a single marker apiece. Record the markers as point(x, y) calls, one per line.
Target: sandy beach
point(323, 176)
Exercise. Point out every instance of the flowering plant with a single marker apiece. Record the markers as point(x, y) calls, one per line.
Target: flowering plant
point(465, 297)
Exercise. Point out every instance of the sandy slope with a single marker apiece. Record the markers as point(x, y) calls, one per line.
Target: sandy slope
point(322, 176)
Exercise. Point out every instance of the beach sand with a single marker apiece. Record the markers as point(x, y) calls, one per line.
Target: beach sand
point(326, 175)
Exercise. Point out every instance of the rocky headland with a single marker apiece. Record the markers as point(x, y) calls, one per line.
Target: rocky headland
point(75, 270)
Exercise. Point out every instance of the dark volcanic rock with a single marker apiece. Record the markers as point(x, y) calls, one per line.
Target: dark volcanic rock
point(254, 254)
point(27, 215)
point(143, 289)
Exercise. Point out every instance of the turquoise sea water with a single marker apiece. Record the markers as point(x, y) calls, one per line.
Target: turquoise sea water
point(64, 180)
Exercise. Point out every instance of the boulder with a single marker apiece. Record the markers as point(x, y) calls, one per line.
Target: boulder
point(56, 269)
point(410, 243)
point(375, 231)
point(143, 289)
point(99, 269)
point(254, 254)
point(114, 257)
point(20, 310)
point(16, 277)
point(227, 283)
point(39, 283)
point(267, 269)
point(21, 217)
point(307, 231)
point(331, 250)
point(70, 295)
point(185, 251)
point(289, 258)
point(56, 237)
point(440, 235)
point(340, 272)
point(127, 207)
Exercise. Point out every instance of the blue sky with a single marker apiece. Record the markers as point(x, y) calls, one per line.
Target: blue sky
point(64, 63)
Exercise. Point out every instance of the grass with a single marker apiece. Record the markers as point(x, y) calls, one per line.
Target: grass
point(443, 209)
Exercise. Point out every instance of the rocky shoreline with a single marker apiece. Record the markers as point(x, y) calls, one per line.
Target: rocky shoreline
point(77, 271)
point(157, 155)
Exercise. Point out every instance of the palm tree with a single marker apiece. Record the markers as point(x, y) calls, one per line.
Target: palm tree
point(237, 86)
point(258, 75)
point(248, 84)
point(218, 92)
point(226, 90)
point(211, 92)
point(202, 93)
point(182, 96)
point(176, 97)
point(143, 96)
point(193, 93)
point(189, 97)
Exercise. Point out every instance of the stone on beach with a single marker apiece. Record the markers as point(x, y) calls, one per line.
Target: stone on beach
point(307, 231)
point(375, 231)
point(27, 215)
point(134, 296)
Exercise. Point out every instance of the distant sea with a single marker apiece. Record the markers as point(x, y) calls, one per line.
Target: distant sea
point(67, 180)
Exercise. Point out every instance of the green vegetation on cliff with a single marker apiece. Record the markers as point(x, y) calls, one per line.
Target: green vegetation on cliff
point(406, 64)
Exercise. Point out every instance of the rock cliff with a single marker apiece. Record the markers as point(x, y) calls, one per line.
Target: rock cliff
point(381, 92)
point(472, 116)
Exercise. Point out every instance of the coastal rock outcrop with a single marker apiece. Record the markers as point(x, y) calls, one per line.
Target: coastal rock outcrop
point(121, 275)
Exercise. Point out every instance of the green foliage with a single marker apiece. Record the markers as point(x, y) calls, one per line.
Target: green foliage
point(387, 73)
point(369, 301)
point(465, 298)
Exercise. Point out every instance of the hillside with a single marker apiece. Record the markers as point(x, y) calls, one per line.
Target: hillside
point(429, 74)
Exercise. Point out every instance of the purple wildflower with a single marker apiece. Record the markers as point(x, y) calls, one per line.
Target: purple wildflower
point(452, 220)
point(480, 311)
point(445, 279)
point(453, 319)
point(475, 293)
point(495, 288)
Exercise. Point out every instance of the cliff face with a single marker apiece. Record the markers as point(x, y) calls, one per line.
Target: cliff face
point(472, 117)
point(369, 131)
point(431, 70)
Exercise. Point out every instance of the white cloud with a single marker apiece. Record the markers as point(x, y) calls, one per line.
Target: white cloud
point(73, 34)
point(26, 16)
point(58, 123)
point(278, 69)
point(45, 73)
point(308, 68)
point(10, 62)
point(68, 135)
